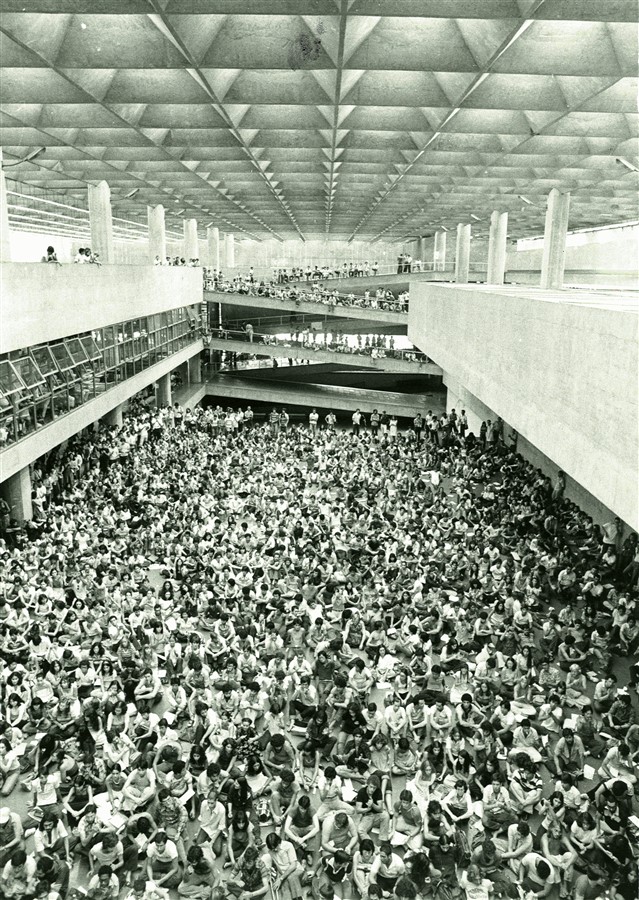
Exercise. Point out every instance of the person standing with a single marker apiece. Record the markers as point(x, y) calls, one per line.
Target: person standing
point(356, 419)
point(248, 328)
point(375, 420)
point(274, 422)
point(331, 421)
point(313, 419)
point(284, 420)
point(612, 534)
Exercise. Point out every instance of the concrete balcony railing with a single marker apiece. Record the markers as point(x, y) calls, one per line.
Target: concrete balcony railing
point(42, 302)
point(308, 304)
point(379, 359)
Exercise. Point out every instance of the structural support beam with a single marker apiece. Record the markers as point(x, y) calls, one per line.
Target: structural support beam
point(229, 246)
point(439, 252)
point(193, 367)
point(191, 243)
point(16, 492)
point(5, 234)
point(497, 247)
point(114, 416)
point(101, 221)
point(157, 232)
point(163, 396)
point(554, 255)
point(213, 242)
point(462, 254)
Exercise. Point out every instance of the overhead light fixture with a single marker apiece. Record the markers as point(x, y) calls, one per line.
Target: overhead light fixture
point(28, 158)
point(476, 218)
point(126, 196)
point(627, 164)
point(525, 199)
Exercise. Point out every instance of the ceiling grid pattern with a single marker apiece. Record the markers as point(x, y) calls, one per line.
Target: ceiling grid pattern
point(344, 118)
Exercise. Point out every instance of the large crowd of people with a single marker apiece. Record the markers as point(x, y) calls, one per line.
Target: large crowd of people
point(248, 285)
point(241, 661)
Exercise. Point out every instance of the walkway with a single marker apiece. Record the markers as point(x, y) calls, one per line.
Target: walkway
point(321, 310)
point(401, 361)
point(324, 397)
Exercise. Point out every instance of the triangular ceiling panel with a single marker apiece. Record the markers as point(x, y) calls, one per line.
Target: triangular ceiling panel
point(254, 102)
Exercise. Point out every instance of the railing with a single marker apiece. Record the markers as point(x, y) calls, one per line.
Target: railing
point(43, 382)
point(317, 342)
point(331, 299)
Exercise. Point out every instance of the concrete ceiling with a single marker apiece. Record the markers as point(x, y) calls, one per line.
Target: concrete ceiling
point(292, 118)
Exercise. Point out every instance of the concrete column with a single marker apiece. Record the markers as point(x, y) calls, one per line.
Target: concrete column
point(164, 391)
point(229, 245)
point(193, 367)
point(439, 252)
point(462, 255)
point(101, 221)
point(157, 232)
point(191, 245)
point(114, 416)
point(5, 234)
point(554, 255)
point(497, 247)
point(16, 491)
point(213, 241)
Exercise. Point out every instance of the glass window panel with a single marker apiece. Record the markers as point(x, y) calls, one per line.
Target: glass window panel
point(10, 381)
point(62, 357)
point(28, 371)
point(108, 336)
point(91, 348)
point(75, 348)
point(44, 360)
point(111, 357)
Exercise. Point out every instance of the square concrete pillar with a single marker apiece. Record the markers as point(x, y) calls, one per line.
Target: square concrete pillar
point(497, 247)
point(213, 241)
point(16, 491)
point(157, 232)
point(163, 396)
point(462, 255)
point(101, 221)
point(553, 260)
point(114, 416)
point(191, 243)
point(439, 252)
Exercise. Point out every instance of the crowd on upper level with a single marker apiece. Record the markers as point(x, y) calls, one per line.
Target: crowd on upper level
point(239, 659)
point(248, 285)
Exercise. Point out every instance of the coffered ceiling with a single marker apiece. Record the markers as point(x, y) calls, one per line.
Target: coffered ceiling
point(365, 119)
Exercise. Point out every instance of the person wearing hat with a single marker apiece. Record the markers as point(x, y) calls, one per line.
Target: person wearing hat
point(11, 834)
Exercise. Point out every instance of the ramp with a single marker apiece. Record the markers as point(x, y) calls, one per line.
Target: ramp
point(324, 397)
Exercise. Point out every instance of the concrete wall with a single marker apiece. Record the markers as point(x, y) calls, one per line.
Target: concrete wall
point(43, 302)
point(603, 251)
point(563, 374)
point(26, 451)
point(458, 398)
